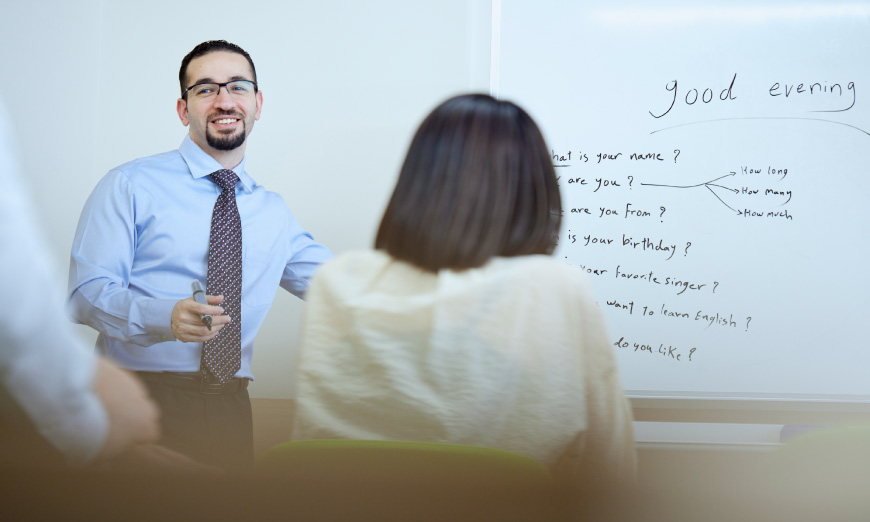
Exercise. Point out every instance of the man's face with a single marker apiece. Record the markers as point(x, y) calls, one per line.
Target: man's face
point(221, 122)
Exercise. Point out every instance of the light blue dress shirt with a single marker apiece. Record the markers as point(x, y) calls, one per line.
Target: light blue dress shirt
point(143, 237)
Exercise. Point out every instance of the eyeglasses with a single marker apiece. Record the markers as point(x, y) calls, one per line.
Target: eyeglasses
point(204, 91)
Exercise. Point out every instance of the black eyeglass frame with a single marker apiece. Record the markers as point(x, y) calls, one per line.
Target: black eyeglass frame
point(252, 82)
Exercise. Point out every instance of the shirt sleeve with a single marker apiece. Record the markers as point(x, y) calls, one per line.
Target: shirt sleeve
point(100, 266)
point(307, 256)
point(42, 366)
point(602, 459)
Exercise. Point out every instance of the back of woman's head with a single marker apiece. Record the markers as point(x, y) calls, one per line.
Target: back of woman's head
point(478, 182)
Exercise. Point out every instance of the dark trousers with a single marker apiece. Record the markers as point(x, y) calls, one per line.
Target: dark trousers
point(215, 429)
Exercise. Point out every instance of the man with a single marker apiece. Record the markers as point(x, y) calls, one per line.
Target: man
point(154, 225)
point(59, 404)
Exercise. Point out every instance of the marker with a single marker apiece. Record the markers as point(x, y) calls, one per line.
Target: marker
point(199, 297)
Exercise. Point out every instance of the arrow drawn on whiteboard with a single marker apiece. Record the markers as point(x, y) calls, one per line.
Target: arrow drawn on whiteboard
point(707, 184)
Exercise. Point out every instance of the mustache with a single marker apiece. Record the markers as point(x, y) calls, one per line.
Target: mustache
point(230, 114)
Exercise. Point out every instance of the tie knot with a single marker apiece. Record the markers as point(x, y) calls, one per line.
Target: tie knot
point(225, 179)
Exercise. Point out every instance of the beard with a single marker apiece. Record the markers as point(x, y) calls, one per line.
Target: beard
point(227, 141)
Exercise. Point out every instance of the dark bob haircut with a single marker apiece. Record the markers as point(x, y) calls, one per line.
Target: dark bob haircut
point(211, 46)
point(478, 182)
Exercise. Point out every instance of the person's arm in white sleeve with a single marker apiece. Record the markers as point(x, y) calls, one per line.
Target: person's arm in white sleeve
point(601, 459)
point(49, 375)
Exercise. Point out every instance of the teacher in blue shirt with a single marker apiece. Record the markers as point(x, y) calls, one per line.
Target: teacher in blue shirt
point(145, 234)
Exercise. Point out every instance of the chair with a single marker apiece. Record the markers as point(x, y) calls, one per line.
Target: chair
point(362, 479)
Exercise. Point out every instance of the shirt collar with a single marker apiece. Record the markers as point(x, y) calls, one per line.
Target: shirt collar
point(201, 164)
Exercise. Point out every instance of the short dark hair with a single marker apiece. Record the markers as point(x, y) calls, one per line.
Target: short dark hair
point(477, 182)
point(211, 46)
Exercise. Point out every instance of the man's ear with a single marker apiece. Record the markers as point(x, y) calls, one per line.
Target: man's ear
point(181, 108)
point(259, 104)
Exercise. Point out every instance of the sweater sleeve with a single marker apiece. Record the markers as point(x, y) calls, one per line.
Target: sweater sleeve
point(601, 459)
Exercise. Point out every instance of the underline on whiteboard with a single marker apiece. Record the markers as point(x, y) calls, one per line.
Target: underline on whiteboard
point(557, 166)
point(763, 118)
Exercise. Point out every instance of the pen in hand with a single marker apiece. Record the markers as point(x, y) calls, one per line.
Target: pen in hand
point(199, 297)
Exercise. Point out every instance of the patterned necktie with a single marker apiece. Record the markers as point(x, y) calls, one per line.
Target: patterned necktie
point(222, 356)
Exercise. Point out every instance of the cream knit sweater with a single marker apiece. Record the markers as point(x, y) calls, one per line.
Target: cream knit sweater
point(513, 355)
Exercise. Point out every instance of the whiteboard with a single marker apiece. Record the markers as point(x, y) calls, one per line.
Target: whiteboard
point(713, 163)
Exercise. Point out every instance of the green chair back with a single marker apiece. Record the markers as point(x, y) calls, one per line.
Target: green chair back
point(402, 460)
point(407, 480)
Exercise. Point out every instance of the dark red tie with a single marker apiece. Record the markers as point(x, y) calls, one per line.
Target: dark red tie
point(222, 356)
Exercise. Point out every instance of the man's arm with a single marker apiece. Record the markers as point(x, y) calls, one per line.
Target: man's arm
point(100, 268)
point(307, 256)
point(101, 263)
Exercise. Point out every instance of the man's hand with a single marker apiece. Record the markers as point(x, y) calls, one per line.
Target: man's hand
point(186, 320)
point(133, 417)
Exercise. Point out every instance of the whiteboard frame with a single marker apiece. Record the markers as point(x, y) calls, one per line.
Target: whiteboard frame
point(650, 406)
point(739, 409)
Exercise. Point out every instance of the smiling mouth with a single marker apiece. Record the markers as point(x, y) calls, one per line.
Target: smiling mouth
point(225, 121)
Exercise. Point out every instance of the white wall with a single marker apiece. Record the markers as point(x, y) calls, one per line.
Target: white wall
point(50, 68)
point(93, 84)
